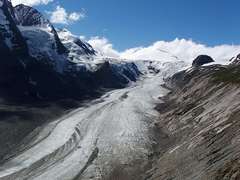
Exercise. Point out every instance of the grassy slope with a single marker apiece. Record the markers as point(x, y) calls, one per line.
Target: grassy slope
point(230, 74)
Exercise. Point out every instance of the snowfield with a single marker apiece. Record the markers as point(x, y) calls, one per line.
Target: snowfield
point(90, 141)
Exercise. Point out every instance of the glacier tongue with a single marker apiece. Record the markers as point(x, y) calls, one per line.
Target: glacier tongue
point(106, 133)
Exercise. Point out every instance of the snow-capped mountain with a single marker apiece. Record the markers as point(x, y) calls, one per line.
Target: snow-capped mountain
point(10, 37)
point(78, 49)
point(235, 60)
point(166, 69)
point(79, 52)
point(29, 17)
point(41, 37)
point(50, 64)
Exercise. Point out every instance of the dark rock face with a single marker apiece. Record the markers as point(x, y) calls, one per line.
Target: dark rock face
point(201, 60)
point(236, 60)
point(86, 47)
point(9, 33)
point(238, 56)
point(11, 9)
point(110, 77)
point(28, 16)
point(13, 51)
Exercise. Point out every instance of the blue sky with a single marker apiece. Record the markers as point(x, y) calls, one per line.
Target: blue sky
point(144, 29)
point(131, 23)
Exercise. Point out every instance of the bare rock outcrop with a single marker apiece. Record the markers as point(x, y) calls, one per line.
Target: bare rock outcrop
point(201, 60)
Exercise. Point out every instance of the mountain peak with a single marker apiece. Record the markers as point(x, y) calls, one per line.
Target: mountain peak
point(77, 47)
point(29, 16)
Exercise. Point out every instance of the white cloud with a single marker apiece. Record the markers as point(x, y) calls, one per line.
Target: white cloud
point(181, 49)
point(30, 2)
point(103, 46)
point(82, 38)
point(76, 16)
point(61, 16)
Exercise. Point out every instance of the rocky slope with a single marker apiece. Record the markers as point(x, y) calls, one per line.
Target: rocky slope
point(198, 135)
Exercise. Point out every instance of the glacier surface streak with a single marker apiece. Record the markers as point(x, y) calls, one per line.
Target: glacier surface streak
point(114, 128)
